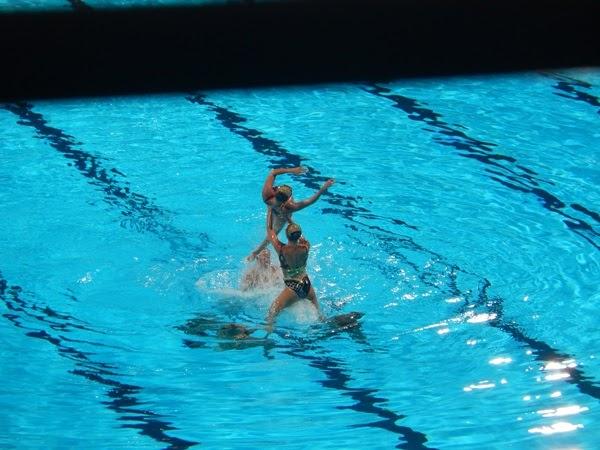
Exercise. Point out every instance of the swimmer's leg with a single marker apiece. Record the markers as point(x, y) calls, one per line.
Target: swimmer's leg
point(286, 298)
point(312, 296)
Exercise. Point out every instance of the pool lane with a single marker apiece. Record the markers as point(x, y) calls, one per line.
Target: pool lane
point(481, 302)
point(541, 351)
point(123, 398)
point(337, 377)
point(139, 211)
point(366, 400)
point(492, 107)
point(503, 169)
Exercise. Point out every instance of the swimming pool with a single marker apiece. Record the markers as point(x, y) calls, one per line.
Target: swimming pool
point(464, 223)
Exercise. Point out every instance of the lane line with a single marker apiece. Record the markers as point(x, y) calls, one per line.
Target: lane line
point(123, 397)
point(138, 212)
point(502, 169)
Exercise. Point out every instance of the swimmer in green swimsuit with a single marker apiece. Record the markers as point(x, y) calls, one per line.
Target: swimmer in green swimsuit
point(292, 257)
point(281, 205)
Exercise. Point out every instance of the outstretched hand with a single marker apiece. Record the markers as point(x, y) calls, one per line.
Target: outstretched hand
point(328, 184)
point(299, 170)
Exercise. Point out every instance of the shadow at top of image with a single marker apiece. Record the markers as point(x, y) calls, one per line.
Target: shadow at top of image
point(97, 52)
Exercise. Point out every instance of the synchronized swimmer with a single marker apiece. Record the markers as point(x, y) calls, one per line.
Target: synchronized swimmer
point(292, 256)
point(281, 205)
point(292, 278)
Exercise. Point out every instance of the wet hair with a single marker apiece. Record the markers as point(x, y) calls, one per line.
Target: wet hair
point(293, 232)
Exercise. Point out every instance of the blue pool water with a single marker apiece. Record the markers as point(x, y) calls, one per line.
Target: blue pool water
point(464, 223)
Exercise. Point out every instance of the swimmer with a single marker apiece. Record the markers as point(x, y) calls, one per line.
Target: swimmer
point(281, 205)
point(263, 274)
point(292, 257)
point(205, 326)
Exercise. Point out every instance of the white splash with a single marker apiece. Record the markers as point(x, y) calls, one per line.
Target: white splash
point(87, 278)
point(559, 427)
point(499, 360)
point(557, 376)
point(563, 411)
point(481, 318)
point(560, 365)
point(485, 384)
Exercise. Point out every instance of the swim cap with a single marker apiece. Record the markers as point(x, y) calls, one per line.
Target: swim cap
point(293, 231)
point(285, 190)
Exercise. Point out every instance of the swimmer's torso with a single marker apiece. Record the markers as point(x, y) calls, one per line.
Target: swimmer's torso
point(279, 217)
point(293, 260)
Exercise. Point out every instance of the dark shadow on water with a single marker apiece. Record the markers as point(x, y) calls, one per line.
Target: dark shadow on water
point(574, 89)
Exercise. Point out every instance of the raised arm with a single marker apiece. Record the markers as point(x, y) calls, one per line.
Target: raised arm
point(273, 239)
point(265, 241)
point(298, 205)
point(267, 190)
